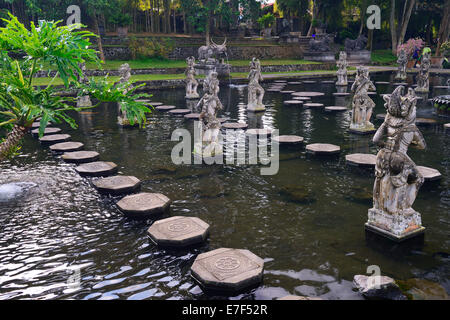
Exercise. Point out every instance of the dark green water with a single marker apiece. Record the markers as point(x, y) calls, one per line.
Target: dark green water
point(311, 246)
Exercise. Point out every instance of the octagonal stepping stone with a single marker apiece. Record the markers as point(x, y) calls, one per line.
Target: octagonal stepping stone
point(117, 185)
point(54, 138)
point(67, 146)
point(341, 94)
point(447, 126)
point(144, 204)
point(328, 82)
point(294, 82)
point(179, 112)
point(361, 159)
point(47, 131)
point(335, 109)
point(194, 116)
point(235, 125)
point(293, 102)
point(425, 122)
point(280, 81)
point(382, 82)
point(178, 231)
point(381, 116)
point(80, 156)
point(400, 84)
point(228, 270)
point(165, 108)
point(371, 93)
point(288, 139)
point(308, 94)
point(259, 132)
point(223, 119)
point(301, 98)
point(274, 90)
point(429, 174)
point(287, 91)
point(97, 169)
point(313, 105)
point(156, 104)
point(440, 87)
point(323, 149)
point(144, 100)
point(309, 81)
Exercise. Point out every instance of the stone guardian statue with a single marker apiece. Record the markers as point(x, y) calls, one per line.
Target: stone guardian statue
point(362, 105)
point(255, 90)
point(191, 82)
point(125, 75)
point(397, 179)
point(423, 79)
point(402, 61)
point(83, 101)
point(342, 65)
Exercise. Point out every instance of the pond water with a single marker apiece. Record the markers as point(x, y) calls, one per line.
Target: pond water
point(61, 239)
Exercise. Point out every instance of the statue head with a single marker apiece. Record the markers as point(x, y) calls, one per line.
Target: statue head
point(343, 55)
point(402, 106)
point(190, 61)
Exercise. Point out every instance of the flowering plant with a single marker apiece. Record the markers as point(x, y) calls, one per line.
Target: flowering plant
point(411, 45)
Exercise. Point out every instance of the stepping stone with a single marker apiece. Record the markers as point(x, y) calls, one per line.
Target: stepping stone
point(288, 139)
point(447, 126)
point(274, 90)
point(117, 185)
point(425, 122)
point(441, 87)
point(308, 94)
point(328, 82)
point(195, 116)
point(372, 93)
point(361, 159)
point(47, 131)
point(259, 132)
point(341, 94)
point(67, 146)
point(293, 102)
point(144, 204)
point(96, 169)
point(224, 119)
point(313, 105)
point(294, 82)
point(227, 270)
point(323, 149)
point(156, 104)
point(54, 138)
point(429, 174)
point(181, 112)
point(235, 125)
point(382, 82)
point(80, 156)
point(400, 84)
point(292, 297)
point(280, 81)
point(165, 108)
point(37, 124)
point(144, 100)
point(381, 116)
point(178, 231)
point(309, 81)
point(302, 98)
point(287, 91)
point(335, 109)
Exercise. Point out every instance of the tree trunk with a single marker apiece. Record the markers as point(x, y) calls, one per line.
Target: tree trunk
point(393, 28)
point(314, 14)
point(208, 28)
point(405, 21)
point(99, 39)
point(185, 30)
point(12, 140)
point(443, 34)
point(174, 21)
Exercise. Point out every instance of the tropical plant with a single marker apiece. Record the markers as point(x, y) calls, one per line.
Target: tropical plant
point(445, 49)
point(150, 48)
point(120, 19)
point(62, 48)
point(266, 20)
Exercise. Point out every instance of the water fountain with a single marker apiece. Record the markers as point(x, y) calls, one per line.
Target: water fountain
point(211, 58)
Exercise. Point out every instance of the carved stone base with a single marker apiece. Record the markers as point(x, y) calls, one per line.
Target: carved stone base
point(362, 129)
point(223, 70)
point(192, 96)
point(256, 107)
point(398, 227)
point(359, 57)
point(401, 76)
point(124, 122)
point(423, 90)
point(84, 101)
point(342, 84)
point(208, 150)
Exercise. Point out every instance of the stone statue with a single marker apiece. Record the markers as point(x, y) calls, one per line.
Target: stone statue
point(125, 75)
point(342, 65)
point(255, 91)
point(210, 104)
point(213, 52)
point(423, 79)
point(397, 179)
point(83, 101)
point(320, 45)
point(362, 105)
point(356, 45)
point(402, 61)
point(191, 82)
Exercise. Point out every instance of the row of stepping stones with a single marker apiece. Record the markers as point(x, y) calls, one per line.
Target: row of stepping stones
point(223, 270)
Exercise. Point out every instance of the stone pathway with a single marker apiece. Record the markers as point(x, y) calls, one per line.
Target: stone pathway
point(144, 205)
point(117, 185)
point(323, 149)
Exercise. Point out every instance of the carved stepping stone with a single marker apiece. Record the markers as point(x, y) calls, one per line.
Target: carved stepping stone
point(280, 81)
point(425, 122)
point(341, 94)
point(54, 138)
point(165, 108)
point(294, 82)
point(156, 104)
point(117, 185)
point(302, 98)
point(97, 169)
point(308, 94)
point(259, 132)
point(328, 82)
point(313, 105)
point(323, 149)
point(309, 81)
point(429, 174)
point(227, 270)
point(292, 297)
point(144, 204)
point(287, 91)
point(80, 156)
point(381, 116)
point(400, 84)
point(67, 146)
point(274, 90)
point(194, 116)
point(294, 102)
point(288, 139)
point(235, 125)
point(361, 159)
point(179, 112)
point(178, 231)
point(382, 82)
point(335, 109)
point(47, 131)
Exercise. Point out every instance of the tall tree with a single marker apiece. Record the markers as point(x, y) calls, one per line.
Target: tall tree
point(399, 22)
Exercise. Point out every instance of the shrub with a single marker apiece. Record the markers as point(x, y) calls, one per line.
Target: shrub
point(120, 19)
point(266, 20)
point(150, 48)
point(445, 48)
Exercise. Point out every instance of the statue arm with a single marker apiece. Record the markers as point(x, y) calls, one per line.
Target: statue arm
point(419, 140)
point(379, 135)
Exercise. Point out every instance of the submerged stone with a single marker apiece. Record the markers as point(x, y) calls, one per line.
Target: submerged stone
point(422, 289)
point(298, 194)
point(378, 287)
